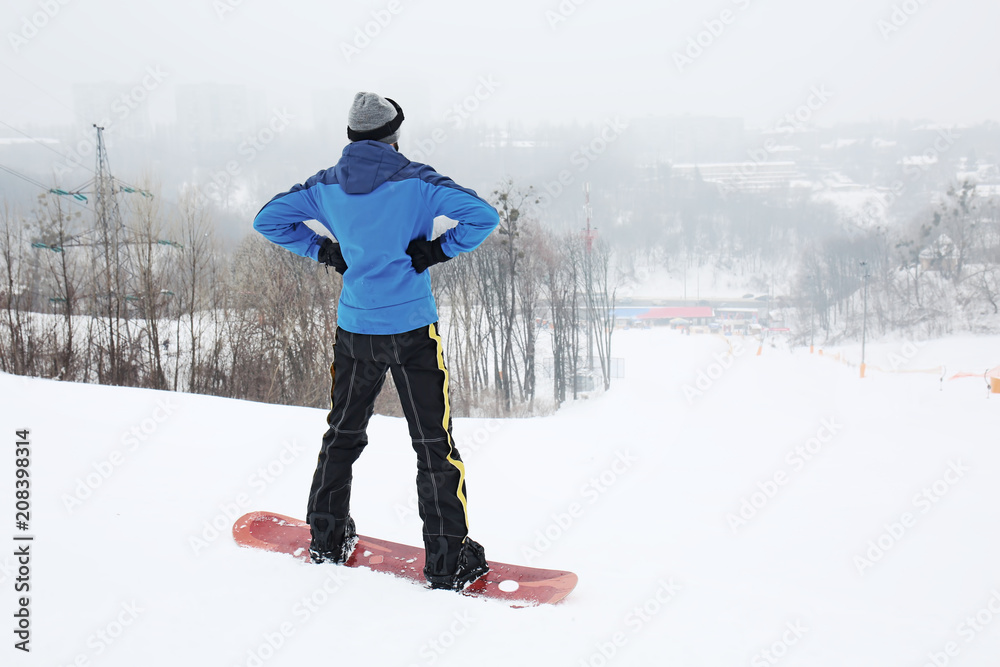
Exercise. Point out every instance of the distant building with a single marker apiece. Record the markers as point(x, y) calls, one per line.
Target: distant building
point(674, 316)
point(742, 176)
point(120, 108)
point(212, 113)
point(985, 176)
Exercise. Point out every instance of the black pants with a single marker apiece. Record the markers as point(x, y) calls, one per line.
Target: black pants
point(416, 360)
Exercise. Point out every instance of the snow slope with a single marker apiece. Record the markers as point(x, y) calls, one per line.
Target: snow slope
point(641, 492)
point(696, 280)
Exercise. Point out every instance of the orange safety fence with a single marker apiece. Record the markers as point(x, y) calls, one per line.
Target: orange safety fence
point(992, 374)
point(842, 358)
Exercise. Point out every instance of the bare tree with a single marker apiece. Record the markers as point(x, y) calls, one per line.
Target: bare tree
point(280, 325)
point(528, 285)
point(18, 354)
point(601, 304)
point(152, 265)
point(55, 231)
point(561, 257)
point(196, 267)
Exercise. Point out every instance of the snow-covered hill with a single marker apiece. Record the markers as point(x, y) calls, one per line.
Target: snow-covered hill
point(719, 510)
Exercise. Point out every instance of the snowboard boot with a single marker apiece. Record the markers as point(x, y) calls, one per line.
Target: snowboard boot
point(471, 566)
point(332, 540)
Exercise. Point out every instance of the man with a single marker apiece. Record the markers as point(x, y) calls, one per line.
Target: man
point(381, 209)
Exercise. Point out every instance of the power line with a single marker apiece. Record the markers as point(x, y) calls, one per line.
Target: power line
point(73, 161)
point(38, 184)
point(43, 144)
point(33, 83)
point(23, 177)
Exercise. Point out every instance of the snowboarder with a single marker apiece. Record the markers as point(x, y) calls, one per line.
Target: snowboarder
point(380, 206)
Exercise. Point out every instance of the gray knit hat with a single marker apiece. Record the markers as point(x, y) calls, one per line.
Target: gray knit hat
point(374, 117)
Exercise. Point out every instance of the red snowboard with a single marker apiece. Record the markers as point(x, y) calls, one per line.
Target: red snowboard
point(515, 584)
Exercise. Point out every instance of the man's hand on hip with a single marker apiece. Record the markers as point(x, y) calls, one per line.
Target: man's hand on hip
point(329, 254)
point(425, 254)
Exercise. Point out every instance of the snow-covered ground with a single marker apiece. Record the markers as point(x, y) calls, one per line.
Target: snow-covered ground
point(715, 507)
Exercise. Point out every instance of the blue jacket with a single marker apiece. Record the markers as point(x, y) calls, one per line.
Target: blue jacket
point(375, 201)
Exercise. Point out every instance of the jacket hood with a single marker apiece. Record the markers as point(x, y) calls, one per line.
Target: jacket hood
point(365, 165)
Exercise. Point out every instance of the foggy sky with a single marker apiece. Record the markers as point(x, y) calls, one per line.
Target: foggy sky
point(529, 61)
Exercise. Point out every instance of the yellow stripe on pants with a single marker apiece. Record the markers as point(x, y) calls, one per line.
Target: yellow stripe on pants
point(445, 421)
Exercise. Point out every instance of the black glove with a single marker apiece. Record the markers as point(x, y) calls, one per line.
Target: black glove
point(329, 254)
point(426, 253)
